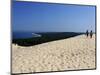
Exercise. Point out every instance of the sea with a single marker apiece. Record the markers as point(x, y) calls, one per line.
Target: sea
point(24, 35)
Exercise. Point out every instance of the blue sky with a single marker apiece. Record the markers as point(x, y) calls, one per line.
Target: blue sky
point(44, 17)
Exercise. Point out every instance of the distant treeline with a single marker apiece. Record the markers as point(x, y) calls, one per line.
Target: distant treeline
point(46, 37)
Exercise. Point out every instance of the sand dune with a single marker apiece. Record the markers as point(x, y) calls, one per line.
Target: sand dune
point(67, 54)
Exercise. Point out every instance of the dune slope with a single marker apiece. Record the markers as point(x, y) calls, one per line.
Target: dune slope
point(67, 54)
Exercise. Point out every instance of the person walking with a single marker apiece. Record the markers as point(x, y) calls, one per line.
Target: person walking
point(87, 33)
point(91, 34)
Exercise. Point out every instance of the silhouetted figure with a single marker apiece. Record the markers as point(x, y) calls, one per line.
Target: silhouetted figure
point(91, 33)
point(87, 33)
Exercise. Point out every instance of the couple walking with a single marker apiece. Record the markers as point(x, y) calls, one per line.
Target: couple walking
point(91, 33)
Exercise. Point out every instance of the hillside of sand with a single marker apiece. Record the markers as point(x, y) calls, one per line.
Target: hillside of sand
point(67, 54)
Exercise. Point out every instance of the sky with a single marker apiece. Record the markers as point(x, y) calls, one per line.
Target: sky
point(47, 17)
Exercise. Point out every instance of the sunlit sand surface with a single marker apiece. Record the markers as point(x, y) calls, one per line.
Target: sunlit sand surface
point(67, 54)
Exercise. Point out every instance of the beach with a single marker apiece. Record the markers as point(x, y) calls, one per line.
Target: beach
point(67, 54)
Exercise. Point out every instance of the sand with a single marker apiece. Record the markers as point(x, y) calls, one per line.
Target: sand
point(67, 54)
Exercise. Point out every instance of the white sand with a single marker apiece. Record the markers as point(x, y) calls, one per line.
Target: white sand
point(67, 54)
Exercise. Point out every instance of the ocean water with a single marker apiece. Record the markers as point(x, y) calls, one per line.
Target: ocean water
point(22, 35)
point(46, 35)
point(42, 37)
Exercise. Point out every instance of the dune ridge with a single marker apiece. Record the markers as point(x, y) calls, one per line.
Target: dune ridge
point(67, 54)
